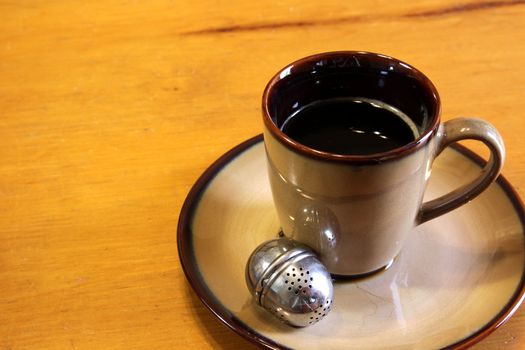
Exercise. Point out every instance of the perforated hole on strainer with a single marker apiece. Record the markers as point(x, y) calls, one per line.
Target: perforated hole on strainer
point(280, 314)
point(321, 312)
point(298, 293)
point(298, 280)
point(300, 283)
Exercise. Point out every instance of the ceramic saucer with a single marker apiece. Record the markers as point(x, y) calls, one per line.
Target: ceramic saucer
point(456, 280)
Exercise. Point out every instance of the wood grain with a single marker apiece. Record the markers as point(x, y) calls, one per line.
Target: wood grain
point(110, 110)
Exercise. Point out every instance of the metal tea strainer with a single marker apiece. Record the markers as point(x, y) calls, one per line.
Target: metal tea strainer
point(287, 279)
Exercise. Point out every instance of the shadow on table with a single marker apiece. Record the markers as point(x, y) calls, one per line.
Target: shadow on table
point(217, 334)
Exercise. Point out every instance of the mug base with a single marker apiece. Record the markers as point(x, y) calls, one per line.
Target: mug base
point(362, 276)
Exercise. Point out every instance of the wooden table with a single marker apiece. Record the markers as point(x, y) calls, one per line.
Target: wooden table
point(110, 110)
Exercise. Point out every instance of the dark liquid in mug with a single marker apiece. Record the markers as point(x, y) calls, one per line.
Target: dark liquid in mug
point(350, 126)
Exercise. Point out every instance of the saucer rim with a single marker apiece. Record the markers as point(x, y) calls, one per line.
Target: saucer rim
point(192, 273)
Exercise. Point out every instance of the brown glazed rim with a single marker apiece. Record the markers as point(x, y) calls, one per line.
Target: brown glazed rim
point(357, 159)
point(197, 282)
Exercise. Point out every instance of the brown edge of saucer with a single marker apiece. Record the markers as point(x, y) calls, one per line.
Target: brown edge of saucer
point(189, 266)
point(354, 159)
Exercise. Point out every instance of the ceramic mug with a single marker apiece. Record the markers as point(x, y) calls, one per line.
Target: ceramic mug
point(356, 211)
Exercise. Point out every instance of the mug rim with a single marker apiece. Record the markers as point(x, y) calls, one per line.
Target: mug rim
point(394, 153)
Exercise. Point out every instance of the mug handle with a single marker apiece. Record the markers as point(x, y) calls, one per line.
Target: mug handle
point(462, 129)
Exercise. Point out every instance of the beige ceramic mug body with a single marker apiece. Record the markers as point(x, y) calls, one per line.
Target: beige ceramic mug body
point(356, 211)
